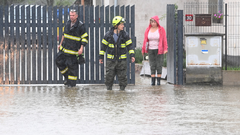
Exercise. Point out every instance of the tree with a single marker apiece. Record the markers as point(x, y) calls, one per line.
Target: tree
point(9, 2)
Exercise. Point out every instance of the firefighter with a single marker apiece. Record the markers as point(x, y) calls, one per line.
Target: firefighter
point(70, 49)
point(118, 43)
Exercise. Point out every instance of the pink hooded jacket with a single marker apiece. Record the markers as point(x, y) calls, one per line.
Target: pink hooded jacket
point(162, 47)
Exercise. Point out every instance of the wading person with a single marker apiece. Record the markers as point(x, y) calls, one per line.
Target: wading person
point(155, 37)
point(117, 43)
point(71, 49)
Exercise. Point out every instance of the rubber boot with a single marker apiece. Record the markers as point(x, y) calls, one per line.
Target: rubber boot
point(153, 80)
point(109, 87)
point(158, 80)
point(122, 87)
point(65, 79)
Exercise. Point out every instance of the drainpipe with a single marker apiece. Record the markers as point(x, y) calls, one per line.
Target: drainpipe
point(115, 4)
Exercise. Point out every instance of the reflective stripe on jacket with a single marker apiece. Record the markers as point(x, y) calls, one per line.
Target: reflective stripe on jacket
point(119, 50)
point(74, 37)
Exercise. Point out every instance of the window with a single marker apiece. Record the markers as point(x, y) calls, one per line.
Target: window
point(214, 6)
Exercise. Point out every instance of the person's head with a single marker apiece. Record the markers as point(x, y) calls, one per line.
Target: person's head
point(73, 15)
point(118, 22)
point(153, 23)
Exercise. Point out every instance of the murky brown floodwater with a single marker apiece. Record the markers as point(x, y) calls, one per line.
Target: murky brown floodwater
point(140, 110)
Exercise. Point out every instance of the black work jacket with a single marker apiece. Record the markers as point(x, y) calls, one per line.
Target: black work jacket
point(116, 50)
point(74, 37)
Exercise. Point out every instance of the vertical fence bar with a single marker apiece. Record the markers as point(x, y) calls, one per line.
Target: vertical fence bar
point(101, 37)
point(45, 45)
point(91, 44)
point(54, 44)
point(39, 44)
point(170, 39)
point(11, 68)
point(87, 46)
point(226, 36)
point(134, 42)
point(82, 66)
point(49, 43)
point(1, 43)
point(33, 45)
point(17, 40)
point(97, 19)
point(180, 47)
point(23, 43)
point(28, 47)
point(6, 46)
point(60, 27)
point(117, 10)
point(127, 25)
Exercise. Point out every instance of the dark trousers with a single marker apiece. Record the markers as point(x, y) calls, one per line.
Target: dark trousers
point(68, 66)
point(118, 68)
point(156, 61)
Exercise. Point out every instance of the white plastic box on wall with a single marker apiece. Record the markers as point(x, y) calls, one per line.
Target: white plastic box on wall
point(204, 58)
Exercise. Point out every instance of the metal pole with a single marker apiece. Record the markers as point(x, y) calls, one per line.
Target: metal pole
point(115, 4)
point(226, 36)
point(180, 47)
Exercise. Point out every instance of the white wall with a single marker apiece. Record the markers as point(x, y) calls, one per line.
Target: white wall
point(145, 9)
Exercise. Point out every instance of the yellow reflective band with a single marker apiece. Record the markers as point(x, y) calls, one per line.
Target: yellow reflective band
point(72, 37)
point(84, 40)
point(111, 45)
point(68, 51)
point(72, 77)
point(84, 35)
point(123, 45)
point(129, 42)
point(104, 42)
point(61, 47)
point(110, 56)
point(123, 56)
point(131, 51)
point(101, 52)
point(64, 71)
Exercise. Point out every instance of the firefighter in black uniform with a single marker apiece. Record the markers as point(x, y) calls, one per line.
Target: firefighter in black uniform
point(71, 49)
point(117, 43)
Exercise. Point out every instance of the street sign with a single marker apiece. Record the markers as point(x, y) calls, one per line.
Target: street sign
point(188, 17)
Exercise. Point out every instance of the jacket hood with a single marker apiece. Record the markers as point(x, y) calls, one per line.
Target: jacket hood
point(156, 19)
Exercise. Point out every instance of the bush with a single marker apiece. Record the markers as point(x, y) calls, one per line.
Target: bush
point(138, 55)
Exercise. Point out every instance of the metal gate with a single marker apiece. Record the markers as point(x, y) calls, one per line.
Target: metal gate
point(225, 18)
point(29, 36)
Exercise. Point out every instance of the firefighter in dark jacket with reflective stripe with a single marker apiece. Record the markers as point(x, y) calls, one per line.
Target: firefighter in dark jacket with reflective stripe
point(71, 49)
point(117, 43)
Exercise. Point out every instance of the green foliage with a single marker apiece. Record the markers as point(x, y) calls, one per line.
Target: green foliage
point(138, 55)
point(63, 3)
point(232, 68)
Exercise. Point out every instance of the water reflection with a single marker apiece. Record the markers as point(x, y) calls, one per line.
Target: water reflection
point(165, 109)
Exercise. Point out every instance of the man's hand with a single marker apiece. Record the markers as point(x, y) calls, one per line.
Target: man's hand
point(142, 53)
point(59, 47)
point(165, 52)
point(101, 61)
point(133, 59)
point(80, 51)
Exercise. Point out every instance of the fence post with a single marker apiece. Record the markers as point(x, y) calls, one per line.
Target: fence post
point(171, 67)
point(180, 47)
point(1, 44)
point(226, 36)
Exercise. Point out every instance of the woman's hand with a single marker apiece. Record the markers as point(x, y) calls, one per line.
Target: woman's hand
point(133, 59)
point(165, 52)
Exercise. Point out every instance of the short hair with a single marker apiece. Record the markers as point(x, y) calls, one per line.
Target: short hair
point(74, 10)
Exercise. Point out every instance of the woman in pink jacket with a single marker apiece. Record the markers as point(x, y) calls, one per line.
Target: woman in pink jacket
point(155, 36)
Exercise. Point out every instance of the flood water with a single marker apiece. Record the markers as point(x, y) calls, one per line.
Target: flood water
point(140, 110)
